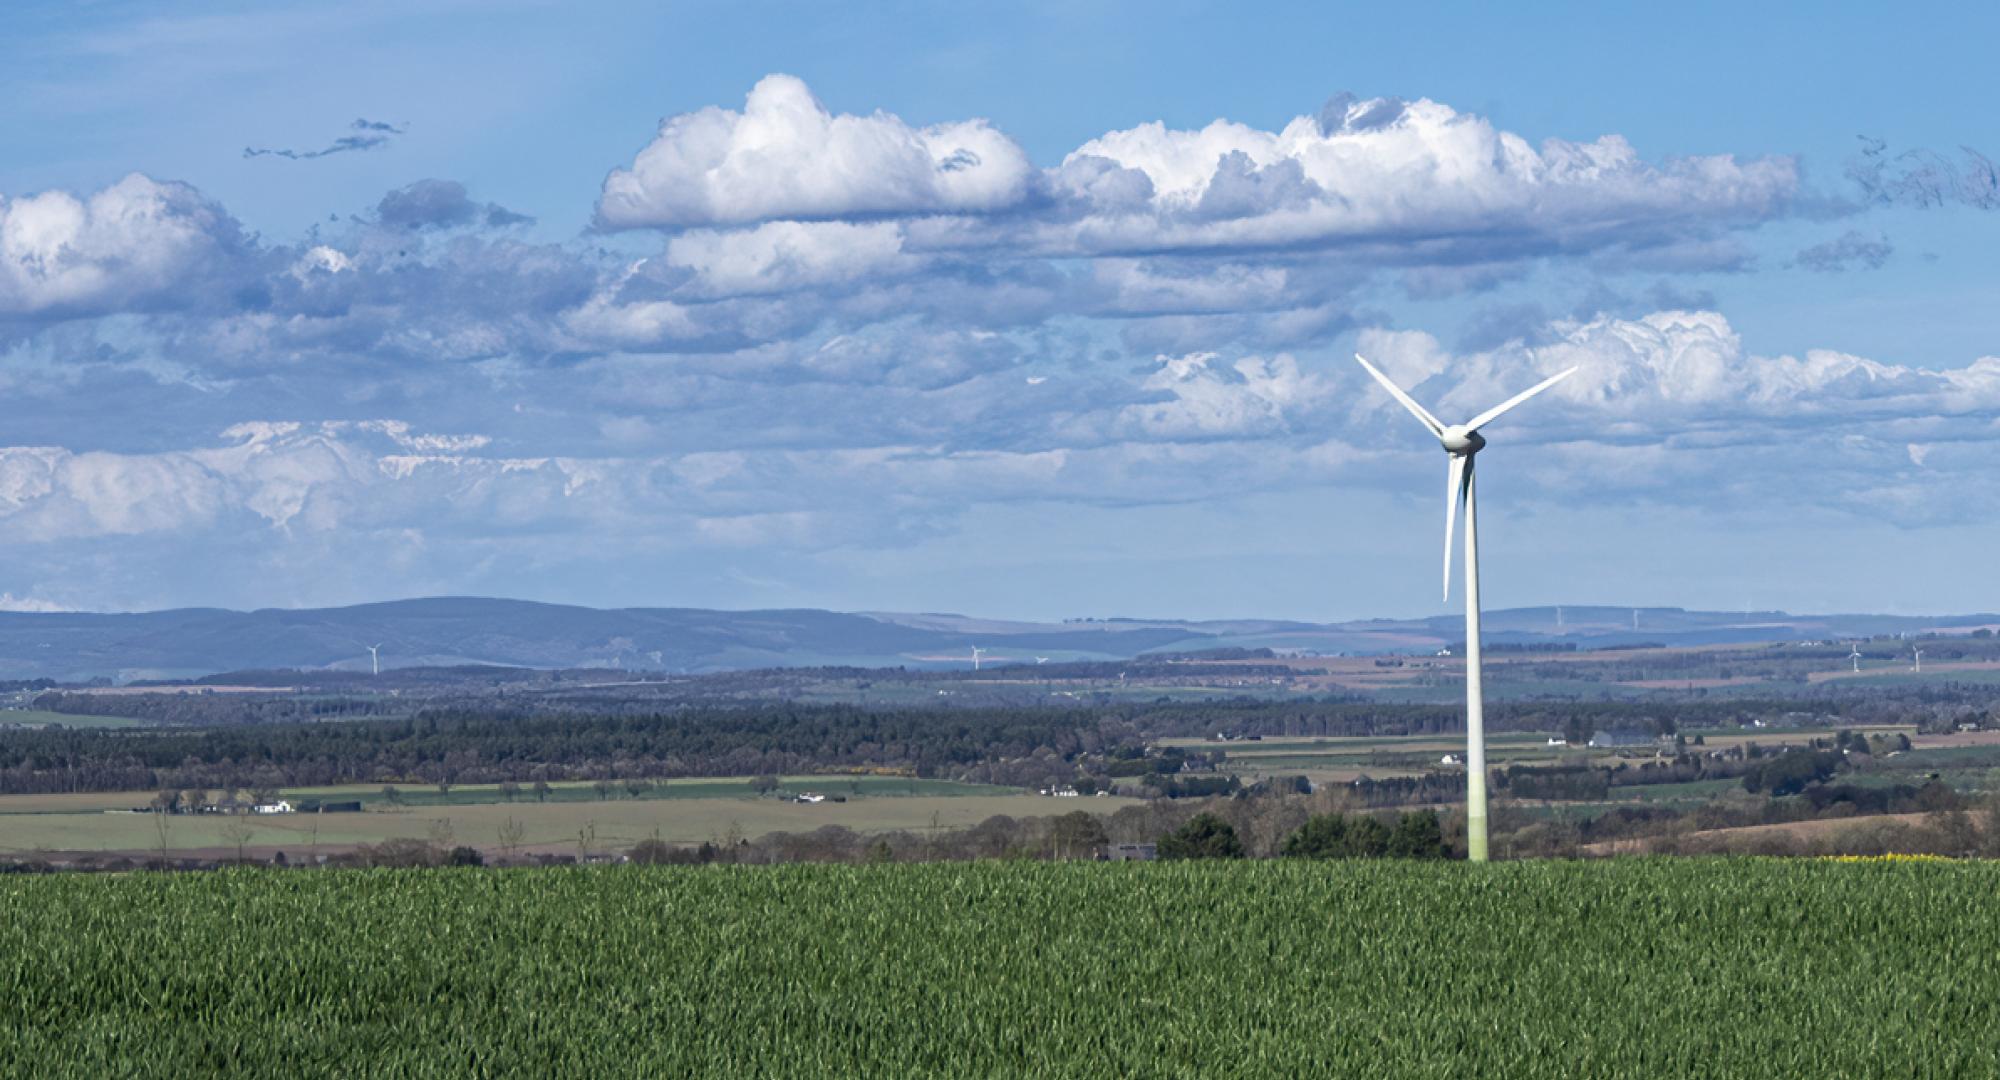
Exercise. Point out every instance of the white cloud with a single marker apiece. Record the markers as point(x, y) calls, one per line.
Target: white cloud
point(131, 243)
point(1421, 180)
point(1249, 397)
point(1672, 369)
point(783, 255)
point(786, 156)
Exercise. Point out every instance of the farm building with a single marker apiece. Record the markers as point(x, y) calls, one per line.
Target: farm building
point(1127, 853)
point(1622, 740)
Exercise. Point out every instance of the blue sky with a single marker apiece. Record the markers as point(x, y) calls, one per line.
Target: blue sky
point(1042, 312)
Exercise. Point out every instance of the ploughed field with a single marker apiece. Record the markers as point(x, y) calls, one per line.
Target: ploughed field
point(1633, 968)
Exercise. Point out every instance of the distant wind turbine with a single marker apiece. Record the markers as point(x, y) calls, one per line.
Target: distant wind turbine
point(1920, 660)
point(1461, 443)
point(976, 650)
point(1856, 656)
point(1041, 660)
point(375, 657)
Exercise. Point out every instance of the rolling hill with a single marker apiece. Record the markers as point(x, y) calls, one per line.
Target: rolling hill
point(473, 630)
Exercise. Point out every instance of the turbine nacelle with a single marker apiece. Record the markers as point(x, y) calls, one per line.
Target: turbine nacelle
point(1461, 441)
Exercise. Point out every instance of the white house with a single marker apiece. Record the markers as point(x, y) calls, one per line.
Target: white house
point(1449, 759)
point(1557, 740)
point(279, 807)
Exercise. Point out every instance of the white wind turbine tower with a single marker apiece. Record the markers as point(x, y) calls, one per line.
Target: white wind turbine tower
point(976, 650)
point(1920, 660)
point(375, 657)
point(1856, 657)
point(1461, 442)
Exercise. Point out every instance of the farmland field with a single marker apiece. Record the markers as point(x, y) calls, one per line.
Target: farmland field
point(1622, 968)
point(40, 717)
point(683, 811)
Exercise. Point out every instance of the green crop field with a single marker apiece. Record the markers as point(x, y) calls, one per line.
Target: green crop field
point(1612, 969)
point(41, 718)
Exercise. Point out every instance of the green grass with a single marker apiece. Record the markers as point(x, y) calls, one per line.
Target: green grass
point(1740, 968)
point(41, 717)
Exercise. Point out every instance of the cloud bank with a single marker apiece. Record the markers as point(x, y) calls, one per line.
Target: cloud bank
point(804, 332)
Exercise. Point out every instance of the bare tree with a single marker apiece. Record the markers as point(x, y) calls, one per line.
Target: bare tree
point(509, 790)
point(637, 786)
point(1077, 834)
point(237, 831)
point(586, 838)
point(163, 827)
point(603, 788)
point(512, 833)
point(391, 796)
point(541, 790)
point(441, 834)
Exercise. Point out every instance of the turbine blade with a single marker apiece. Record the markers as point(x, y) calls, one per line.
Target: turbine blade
point(1454, 493)
point(1494, 413)
point(1395, 391)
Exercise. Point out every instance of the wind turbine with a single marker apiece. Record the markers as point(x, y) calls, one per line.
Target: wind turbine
point(1920, 660)
point(976, 650)
point(1461, 442)
point(375, 657)
point(1039, 660)
point(1856, 657)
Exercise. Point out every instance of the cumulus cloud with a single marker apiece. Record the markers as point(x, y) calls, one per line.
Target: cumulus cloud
point(786, 156)
point(786, 255)
point(1674, 406)
point(440, 204)
point(1418, 176)
point(1674, 370)
point(1414, 183)
point(138, 243)
point(1204, 399)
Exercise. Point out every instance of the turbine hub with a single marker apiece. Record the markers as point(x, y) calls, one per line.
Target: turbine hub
point(1459, 439)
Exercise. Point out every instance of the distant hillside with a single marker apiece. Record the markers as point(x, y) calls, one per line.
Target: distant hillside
point(461, 630)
